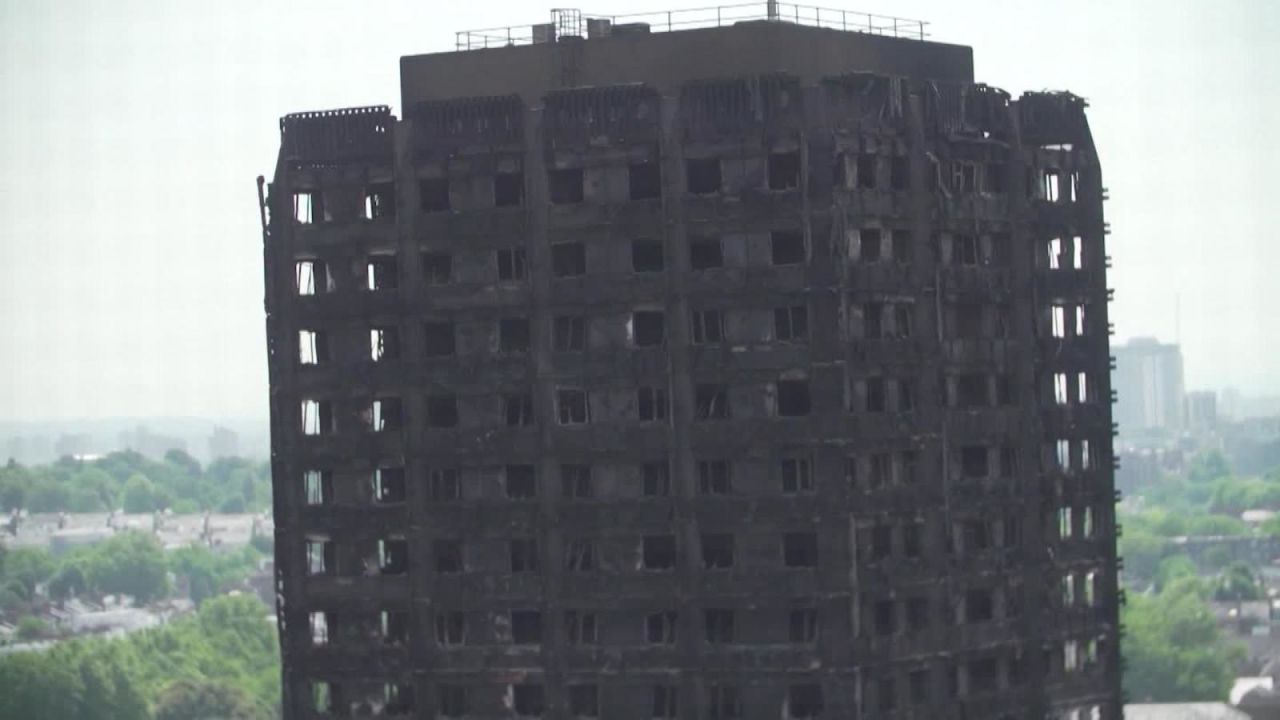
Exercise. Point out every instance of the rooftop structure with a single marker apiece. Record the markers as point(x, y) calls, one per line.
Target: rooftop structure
point(751, 371)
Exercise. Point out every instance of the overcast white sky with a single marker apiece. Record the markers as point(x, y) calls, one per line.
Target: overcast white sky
point(130, 251)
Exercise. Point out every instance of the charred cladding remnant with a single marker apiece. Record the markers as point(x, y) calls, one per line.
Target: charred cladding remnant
point(755, 371)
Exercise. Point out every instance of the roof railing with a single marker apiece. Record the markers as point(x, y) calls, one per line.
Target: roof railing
point(575, 23)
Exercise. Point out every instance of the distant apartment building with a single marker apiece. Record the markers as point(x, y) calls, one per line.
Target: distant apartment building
point(1202, 411)
point(223, 443)
point(1148, 381)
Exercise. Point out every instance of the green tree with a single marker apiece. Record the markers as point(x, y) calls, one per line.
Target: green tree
point(1207, 467)
point(139, 494)
point(130, 563)
point(1172, 568)
point(1142, 553)
point(1238, 583)
point(205, 700)
point(68, 582)
point(48, 496)
point(184, 462)
point(37, 685)
point(29, 567)
point(32, 628)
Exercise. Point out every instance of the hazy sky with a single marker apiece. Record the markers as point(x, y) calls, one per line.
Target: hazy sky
point(130, 250)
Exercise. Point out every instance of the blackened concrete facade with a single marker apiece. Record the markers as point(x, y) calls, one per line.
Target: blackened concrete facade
point(678, 380)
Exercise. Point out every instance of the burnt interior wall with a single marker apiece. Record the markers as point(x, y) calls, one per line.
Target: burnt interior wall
point(930, 532)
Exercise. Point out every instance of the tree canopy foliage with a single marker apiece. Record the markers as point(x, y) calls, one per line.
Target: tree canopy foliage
point(130, 481)
point(222, 662)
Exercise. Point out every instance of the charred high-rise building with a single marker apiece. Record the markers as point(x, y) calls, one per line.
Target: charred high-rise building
point(695, 369)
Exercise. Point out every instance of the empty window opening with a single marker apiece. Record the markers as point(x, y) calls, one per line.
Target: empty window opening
point(723, 703)
point(388, 485)
point(711, 401)
point(313, 347)
point(452, 701)
point(517, 409)
point(651, 404)
point(566, 186)
point(1075, 186)
point(381, 272)
point(443, 483)
point(579, 556)
point(901, 316)
point(717, 551)
point(317, 417)
point(648, 328)
point(665, 703)
point(1065, 526)
point(523, 554)
point(978, 606)
point(384, 343)
point(1077, 257)
point(702, 175)
point(1058, 320)
point(1049, 188)
point(644, 180)
point(707, 327)
point(875, 395)
point(568, 259)
point(784, 171)
point(318, 485)
point(658, 552)
point(380, 201)
point(308, 207)
point(313, 277)
point(324, 696)
point(1062, 453)
point(793, 398)
point(321, 556)
point(804, 701)
point(1068, 590)
point(433, 194)
point(575, 482)
point(802, 625)
point(719, 624)
point(1080, 323)
point(884, 617)
point(647, 256)
point(911, 538)
point(1086, 523)
point(705, 253)
point(569, 333)
point(791, 324)
point(971, 391)
point(513, 334)
point(1055, 253)
point(393, 557)
point(439, 338)
point(508, 189)
point(323, 626)
point(797, 475)
point(526, 627)
point(1087, 459)
point(964, 250)
point(1060, 395)
point(714, 477)
point(511, 265)
point(866, 171)
point(787, 247)
point(873, 326)
point(572, 407)
point(1091, 588)
point(983, 676)
point(528, 700)
point(437, 268)
point(442, 411)
point(879, 470)
point(975, 536)
point(800, 550)
point(584, 701)
point(964, 177)
point(520, 482)
point(974, 462)
point(660, 628)
point(448, 555)
point(902, 246)
point(917, 613)
point(994, 178)
point(656, 478)
point(899, 174)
